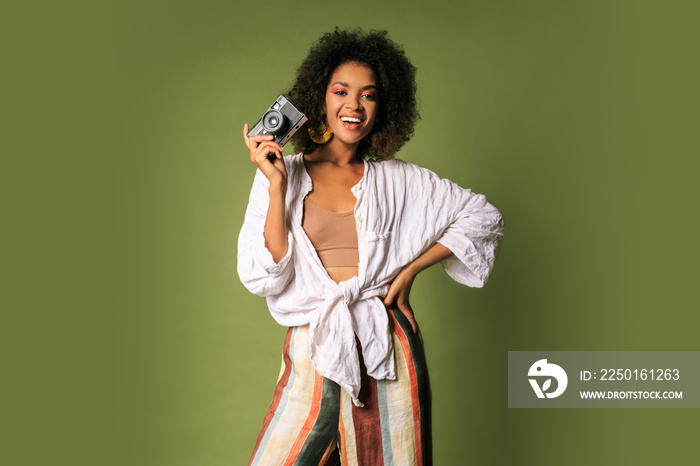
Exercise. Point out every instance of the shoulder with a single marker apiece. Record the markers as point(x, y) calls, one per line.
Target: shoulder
point(417, 183)
point(294, 161)
point(393, 166)
point(401, 170)
point(296, 171)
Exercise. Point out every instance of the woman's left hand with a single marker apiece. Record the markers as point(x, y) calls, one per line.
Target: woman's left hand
point(400, 288)
point(398, 292)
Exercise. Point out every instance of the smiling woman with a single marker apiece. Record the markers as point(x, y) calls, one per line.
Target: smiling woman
point(395, 90)
point(334, 237)
point(351, 103)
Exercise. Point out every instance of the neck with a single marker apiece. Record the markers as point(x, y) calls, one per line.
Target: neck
point(337, 153)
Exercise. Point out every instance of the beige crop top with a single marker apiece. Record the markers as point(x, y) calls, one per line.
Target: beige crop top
point(333, 234)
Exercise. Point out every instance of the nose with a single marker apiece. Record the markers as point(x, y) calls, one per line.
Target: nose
point(355, 103)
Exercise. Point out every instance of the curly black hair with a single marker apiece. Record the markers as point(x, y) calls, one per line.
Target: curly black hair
point(396, 84)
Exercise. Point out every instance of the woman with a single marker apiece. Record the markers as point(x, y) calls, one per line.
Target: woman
point(333, 238)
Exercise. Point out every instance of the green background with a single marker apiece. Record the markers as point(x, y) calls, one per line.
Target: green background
point(129, 339)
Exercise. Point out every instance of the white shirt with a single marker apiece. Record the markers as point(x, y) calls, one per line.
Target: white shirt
point(401, 211)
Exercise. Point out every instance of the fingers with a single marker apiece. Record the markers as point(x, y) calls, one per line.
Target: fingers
point(402, 304)
point(278, 163)
point(253, 141)
point(408, 312)
point(390, 295)
point(388, 299)
point(259, 155)
point(246, 139)
point(259, 138)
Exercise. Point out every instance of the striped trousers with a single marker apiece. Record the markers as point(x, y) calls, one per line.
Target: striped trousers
point(312, 421)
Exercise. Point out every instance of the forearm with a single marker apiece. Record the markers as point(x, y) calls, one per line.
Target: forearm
point(401, 286)
point(275, 224)
point(432, 256)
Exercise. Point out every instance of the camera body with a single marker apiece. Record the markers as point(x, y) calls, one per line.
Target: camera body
point(281, 120)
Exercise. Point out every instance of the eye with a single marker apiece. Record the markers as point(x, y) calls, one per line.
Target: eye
point(370, 97)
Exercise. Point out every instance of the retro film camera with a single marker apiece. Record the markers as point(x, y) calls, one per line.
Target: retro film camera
point(281, 120)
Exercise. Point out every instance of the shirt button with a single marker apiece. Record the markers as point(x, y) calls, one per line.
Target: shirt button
point(359, 219)
point(359, 188)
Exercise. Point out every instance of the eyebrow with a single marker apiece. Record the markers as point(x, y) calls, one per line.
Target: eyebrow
point(371, 86)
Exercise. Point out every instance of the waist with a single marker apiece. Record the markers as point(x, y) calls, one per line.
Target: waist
point(339, 256)
point(339, 274)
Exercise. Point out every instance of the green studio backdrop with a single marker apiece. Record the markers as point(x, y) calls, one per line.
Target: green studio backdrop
point(573, 119)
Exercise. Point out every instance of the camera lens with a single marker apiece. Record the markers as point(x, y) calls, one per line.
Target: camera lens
point(273, 122)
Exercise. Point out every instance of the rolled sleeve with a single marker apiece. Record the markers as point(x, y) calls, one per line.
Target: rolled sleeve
point(473, 237)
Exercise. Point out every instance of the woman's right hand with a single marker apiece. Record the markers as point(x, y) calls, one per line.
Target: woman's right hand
point(261, 147)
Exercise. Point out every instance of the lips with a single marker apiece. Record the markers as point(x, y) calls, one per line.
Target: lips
point(351, 122)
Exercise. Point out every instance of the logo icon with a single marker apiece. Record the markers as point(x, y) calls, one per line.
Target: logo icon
point(544, 370)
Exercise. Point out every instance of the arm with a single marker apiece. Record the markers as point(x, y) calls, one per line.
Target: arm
point(265, 245)
point(275, 224)
point(463, 228)
point(462, 221)
point(401, 286)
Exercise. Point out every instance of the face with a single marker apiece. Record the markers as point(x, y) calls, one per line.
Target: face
point(352, 102)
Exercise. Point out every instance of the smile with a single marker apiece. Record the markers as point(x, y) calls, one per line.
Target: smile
point(351, 120)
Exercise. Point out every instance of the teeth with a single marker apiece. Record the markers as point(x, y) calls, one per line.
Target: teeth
point(351, 120)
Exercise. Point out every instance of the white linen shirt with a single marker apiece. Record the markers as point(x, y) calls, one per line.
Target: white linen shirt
point(401, 211)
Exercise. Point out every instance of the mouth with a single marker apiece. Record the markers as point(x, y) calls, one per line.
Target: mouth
point(351, 122)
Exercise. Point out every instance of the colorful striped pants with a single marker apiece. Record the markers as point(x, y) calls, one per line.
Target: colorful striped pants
point(312, 421)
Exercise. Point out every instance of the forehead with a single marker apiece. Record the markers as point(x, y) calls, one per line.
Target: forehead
point(354, 73)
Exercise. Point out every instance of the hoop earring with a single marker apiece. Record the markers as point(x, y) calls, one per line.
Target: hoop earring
point(322, 136)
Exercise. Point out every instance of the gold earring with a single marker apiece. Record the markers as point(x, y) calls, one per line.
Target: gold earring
point(322, 136)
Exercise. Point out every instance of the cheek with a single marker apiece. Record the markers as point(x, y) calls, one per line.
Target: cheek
point(331, 105)
point(375, 112)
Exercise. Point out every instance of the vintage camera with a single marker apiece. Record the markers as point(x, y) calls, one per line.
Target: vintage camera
point(281, 120)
